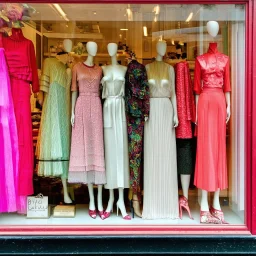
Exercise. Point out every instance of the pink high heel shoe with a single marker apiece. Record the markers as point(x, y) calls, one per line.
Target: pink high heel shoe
point(218, 214)
point(127, 217)
point(207, 218)
point(92, 214)
point(183, 203)
point(101, 214)
point(106, 215)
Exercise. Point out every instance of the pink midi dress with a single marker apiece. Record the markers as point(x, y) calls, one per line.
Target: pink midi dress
point(87, 163)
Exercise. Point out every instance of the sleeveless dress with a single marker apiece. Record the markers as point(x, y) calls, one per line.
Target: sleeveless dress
point(87, 163)
point(115, 134)
point(53, 147)
point(160, 163)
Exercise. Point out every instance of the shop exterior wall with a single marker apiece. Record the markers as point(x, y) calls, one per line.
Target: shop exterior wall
point(152, 239)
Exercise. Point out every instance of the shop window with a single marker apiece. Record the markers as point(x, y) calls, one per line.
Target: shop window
point(112, 124)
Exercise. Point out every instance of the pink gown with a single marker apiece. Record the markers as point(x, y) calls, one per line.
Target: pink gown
point(9, 141)
point(87, 163)
point(22, 66)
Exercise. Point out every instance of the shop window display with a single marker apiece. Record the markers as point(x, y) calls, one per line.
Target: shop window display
point(142, 106)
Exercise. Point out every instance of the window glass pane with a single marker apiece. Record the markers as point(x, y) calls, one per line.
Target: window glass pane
point(116, 92)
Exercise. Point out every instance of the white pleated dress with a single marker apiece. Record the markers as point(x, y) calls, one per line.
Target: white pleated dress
point(160, 163)
point(115, 134)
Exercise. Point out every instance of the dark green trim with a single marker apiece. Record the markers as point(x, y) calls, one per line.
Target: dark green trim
point(136, 245)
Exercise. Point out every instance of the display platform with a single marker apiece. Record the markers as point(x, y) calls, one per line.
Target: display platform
point(82, 218)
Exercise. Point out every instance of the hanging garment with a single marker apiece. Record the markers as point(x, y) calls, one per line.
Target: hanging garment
point(115, 133)
point(9, 154)
point(53, 145)
point(160, 163)
point(87, 149)
point(186, 113)
point(22, 66)
point(137, 109)
point(212, 80)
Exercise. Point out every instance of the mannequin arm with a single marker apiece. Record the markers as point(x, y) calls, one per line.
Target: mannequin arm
point(40, 98)
point(227, 96)
point(173, 97)
point(196, 99)
point(174, 105)
point(73, 104)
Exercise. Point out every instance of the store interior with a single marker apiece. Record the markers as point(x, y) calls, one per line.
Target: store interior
point(136, 29)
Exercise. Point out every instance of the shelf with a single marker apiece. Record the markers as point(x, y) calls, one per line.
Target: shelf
point(73, 35)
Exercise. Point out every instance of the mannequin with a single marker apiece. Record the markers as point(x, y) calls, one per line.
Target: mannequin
point(160, 164)
point(137, 109)
point(115, 132)
point(219, 61)
point(63, 58)
point(94, 169)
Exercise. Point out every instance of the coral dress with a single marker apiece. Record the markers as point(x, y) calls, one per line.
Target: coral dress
point(212, 80)
point(22, 66)
point(87, 149)
point(53, 146)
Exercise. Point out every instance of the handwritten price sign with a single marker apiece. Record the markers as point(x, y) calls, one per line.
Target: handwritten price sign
point(37, 207)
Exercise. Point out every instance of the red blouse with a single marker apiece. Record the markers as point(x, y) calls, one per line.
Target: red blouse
point(21, 60)
point(212, 70)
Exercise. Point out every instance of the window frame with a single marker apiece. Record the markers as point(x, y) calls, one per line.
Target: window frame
point(250, 169)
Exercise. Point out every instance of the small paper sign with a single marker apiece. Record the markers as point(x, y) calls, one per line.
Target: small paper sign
point(37, 207)
point(64, 211)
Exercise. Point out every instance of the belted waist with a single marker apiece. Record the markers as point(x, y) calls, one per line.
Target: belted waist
point(212, 89)
point(92, 94)
point(115, 97)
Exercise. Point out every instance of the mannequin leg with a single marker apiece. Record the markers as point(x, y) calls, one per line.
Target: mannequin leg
point(67, 199)
point(185, 181)
point(136, 205)
point(204, 201)
point(110, 201)
point(91, 196)
point(120, 203)
point(99, 198)
point(216, 200)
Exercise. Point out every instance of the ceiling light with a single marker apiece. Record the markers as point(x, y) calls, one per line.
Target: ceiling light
point(145, 31)
point(94, 13)
point(61, 12)
point(123, 29)
point(189, 17)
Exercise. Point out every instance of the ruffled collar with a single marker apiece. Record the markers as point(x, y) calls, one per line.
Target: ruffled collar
point(213, 48)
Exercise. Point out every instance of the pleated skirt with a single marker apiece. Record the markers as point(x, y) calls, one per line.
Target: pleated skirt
point(211, 162)
point(53, 146)
point(160, 163)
